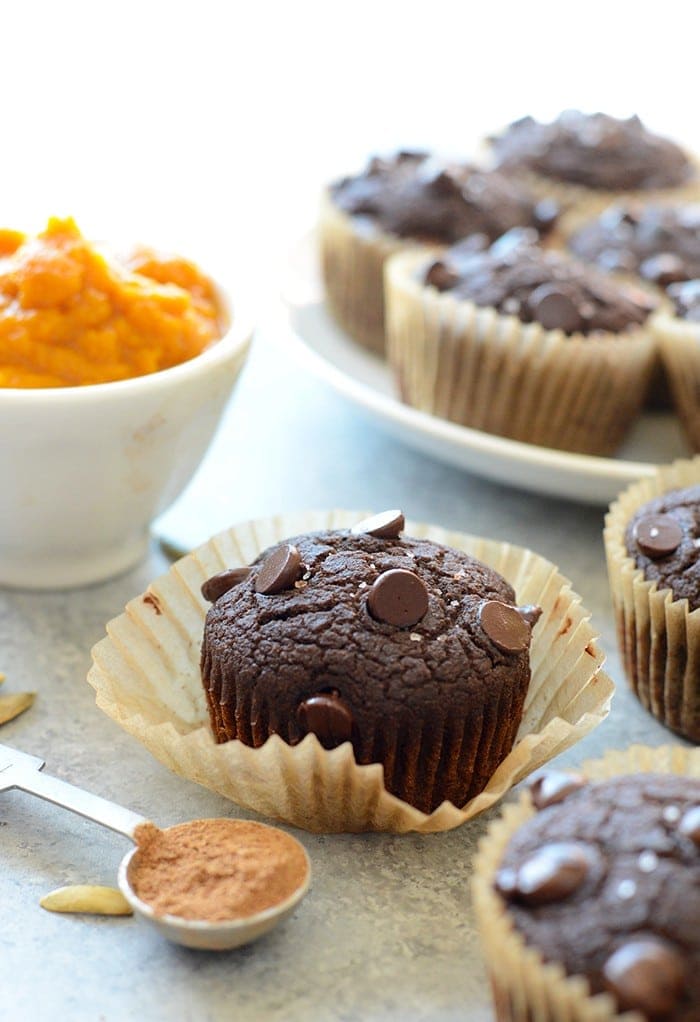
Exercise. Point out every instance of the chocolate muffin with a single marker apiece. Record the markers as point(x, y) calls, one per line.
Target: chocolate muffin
point(586, 158)
point(659, 243)
point(408, 200)
point(517, 277)
point(662, 539)
point(653, 555)
point(520, 341)
point(412, 651)
point(604, 880)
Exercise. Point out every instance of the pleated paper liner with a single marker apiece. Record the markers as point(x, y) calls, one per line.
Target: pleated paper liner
point(679, 345)
point(490, 371)
point(659, 638)
point(352, 266)
point(524, 987)
point(146, 675)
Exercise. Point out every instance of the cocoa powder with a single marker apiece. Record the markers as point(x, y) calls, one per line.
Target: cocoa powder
point(215, 870)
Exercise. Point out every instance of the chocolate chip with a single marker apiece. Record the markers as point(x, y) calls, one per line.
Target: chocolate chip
point(554, 786)
point(412, 155)
point(443, 184)
point(398, 597)
point(689, 825)
point(545, 214)
point(217, 585)
point(555, 309)
point(279, 571)
point(441, 276)
point(504, 626)
point(657, 535)
point(532, 613)
point(645, 975)
point(686, 298)
point(664, 269)
point(617, 261)
point(328, 717)
point(551, 873)
point(386, 525)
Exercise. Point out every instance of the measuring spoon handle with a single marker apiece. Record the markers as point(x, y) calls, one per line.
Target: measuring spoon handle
point(92, 807)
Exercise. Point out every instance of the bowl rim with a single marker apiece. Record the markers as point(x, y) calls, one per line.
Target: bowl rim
point(233, 925)
point(232, 341)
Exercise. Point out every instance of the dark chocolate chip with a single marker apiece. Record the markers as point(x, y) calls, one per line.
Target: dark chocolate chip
point(507, 247)
point(645, 975)
point(664, 269)
point(532, 613)
point(545, 213)
point(375, 166)
point(398, 597)
point(441, 276)
point(386, 525)
point(412, 155)
point(217, 585)
point(554, 786)
point(328, 716)
point(657, 535)
point(551, 873)
point(689, 824)
point(279, 571)
point(443, 184)
point(505, 627)
point(617, 261)
point(555, 309)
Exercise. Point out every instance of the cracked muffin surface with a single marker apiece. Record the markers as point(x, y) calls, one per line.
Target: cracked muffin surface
point(413, 651)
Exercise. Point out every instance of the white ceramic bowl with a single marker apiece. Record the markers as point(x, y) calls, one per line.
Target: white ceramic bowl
point(84, 470)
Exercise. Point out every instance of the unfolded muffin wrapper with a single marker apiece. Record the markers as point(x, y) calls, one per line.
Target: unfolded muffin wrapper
point(490, 371)
point(585, 203)
point(352, 265)
point(658, 636)
point(679, 346)
point(524, 986)
point(146, 676)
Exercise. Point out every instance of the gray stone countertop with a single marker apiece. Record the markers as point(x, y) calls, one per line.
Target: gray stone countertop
point(387, 931)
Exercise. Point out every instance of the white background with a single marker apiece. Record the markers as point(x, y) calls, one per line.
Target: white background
point(209, 127)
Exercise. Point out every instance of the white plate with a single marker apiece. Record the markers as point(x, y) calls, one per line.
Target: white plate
point(365, 380)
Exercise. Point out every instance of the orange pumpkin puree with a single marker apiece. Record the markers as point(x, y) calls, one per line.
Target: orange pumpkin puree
point(70, 315)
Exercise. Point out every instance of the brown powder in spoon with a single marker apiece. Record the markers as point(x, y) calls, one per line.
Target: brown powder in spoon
point(215, 870)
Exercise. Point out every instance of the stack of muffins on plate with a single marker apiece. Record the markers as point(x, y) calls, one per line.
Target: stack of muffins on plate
point(534, 296)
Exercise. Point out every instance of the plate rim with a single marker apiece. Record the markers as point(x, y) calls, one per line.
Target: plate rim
point(298, 292)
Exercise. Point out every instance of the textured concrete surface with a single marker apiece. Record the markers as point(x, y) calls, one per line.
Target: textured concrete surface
point(387, 930)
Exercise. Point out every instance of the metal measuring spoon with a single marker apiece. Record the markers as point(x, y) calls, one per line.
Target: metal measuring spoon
point(19, 770)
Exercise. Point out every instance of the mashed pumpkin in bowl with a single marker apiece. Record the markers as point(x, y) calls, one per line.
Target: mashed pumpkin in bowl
point(71, 315)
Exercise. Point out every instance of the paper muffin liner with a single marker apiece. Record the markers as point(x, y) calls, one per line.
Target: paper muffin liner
point(679, 346)
point(352, 266)
point(658, 637)
point(146, 676)
point(525, 987)
point(585, 203)
point(490, 371)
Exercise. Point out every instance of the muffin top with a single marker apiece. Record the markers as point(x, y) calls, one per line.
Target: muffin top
point(594, 150)
point(517, 277)
point(338, 628)
point(663, 538)
point(605, 879)
point(416, 195)
point(686, 299)
point(659, 243)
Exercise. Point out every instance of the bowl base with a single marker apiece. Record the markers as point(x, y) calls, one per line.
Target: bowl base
point(52, 569)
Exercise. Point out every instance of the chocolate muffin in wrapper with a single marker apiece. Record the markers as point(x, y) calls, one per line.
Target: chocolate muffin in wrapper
point(147, 677)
